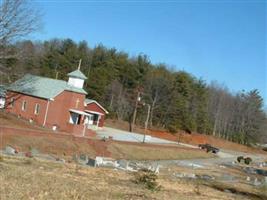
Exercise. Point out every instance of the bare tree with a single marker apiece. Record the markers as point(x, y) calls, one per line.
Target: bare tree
point(18, 18)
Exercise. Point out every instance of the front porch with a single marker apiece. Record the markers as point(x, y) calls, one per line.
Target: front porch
point(94, 120)
point(80, 122)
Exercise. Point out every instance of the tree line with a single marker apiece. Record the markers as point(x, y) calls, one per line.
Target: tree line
point(178, 100)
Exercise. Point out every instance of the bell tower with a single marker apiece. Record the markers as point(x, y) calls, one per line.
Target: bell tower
point(76, 78)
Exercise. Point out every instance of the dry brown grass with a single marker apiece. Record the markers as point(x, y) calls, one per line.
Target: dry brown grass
point(47, 144)
point(182, 136)
point(139, 152)
point(43, 180)
point(67, 146)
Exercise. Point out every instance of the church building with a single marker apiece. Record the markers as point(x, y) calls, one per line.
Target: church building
point(55, 104)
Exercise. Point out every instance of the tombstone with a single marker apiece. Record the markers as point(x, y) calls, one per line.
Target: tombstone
point(123, 163)
point(28, 154)
point(91, 162)
point(83, 159)
point(60, 160)
point(75, 158)
point(154, 168)
point(157, 169)
point(228, 177)
point(99, 160)
point(256, 182)
point(261, 172)
point(34, 151)
point(191, 176)
point(248, 178)
point(207, 177)
point(10, 151)
point(179, 175)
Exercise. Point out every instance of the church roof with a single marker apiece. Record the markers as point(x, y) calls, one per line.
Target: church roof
point(42, 87)
point(2, 90)
point(77, 74)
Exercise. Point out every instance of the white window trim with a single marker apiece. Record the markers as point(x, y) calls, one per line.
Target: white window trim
point(24, 105)
point(12, 102)
point(37, 111)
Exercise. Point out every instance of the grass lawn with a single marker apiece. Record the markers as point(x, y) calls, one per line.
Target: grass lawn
point(26, 179)
point(153, 152)
point(67, 146)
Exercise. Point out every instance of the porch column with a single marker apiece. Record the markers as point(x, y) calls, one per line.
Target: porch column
point(98, 118)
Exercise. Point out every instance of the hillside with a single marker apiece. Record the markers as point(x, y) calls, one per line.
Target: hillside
point(183, 137)
point(24, 137)
point(178, 100)
point(25, 178)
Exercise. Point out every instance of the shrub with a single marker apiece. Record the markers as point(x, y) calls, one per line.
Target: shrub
point(240, 158)
point(248, 160)
point(147, 178)
point(1, 158)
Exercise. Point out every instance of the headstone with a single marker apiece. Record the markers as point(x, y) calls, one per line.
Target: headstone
point(179, 175)
point(157, 169)
point(228, 177)
point(191, 176)
point(248, 178)
point(91, 162)
point(60, 160)
point(83, 157)
point(256, 182)
point(10, 151)
point(261, 172)
point(207, 177)
point(99, 160)
point(123, 163)
point(34, 151)
point(28, 154)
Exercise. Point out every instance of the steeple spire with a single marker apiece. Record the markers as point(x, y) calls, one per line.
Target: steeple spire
point(80, 62)
point(76, 78)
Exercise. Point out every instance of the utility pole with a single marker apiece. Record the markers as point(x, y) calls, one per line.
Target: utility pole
point(138, 98)
point(146, 123)
point(56, 71)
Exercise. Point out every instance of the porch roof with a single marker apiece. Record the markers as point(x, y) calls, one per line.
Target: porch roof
point(80, 112)
point(94, 112)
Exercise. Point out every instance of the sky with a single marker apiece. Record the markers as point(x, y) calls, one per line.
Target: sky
point(213, 40)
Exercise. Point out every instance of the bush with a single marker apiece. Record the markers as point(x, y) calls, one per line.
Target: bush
point(147, 178)
point(1, 158)
point(240, 158)
point(248, 160)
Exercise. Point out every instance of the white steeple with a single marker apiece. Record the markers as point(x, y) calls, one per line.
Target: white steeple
point(76, 78)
